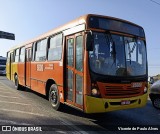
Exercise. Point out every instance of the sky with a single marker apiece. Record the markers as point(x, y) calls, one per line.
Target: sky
point(29, 18)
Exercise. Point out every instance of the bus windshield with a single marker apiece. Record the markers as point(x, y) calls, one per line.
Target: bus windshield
point(2, 62)
point(117, 55)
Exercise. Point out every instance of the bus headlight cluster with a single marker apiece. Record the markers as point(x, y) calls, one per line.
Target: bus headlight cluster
point(95, 92)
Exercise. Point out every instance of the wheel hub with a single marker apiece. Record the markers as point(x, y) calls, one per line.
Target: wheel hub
point(53, 97)
point(157, 102)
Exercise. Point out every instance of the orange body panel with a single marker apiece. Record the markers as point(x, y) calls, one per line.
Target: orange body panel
point(21, 73)
point(28, 74)
point(42, 71)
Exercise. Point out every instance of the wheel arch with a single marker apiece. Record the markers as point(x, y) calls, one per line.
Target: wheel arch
point(48, 85)
point(15, 75)
point(156, 101)
point(153, 96)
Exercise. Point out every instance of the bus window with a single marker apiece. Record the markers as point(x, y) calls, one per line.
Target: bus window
point(17, 55)
point(28, 56)
point(136, 56)
point(79, 52)
point(70, 86)
point(79, 87)
point(8, 57)
point(12, 57)
point(70, 57)
point(55, 48)
point(40, 54)
point(33, 52)
point(2, 61)
point(22, 54)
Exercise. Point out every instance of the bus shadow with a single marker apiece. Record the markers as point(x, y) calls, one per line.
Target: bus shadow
point(2, 74)
point(104, 121)
point(93, 116)
point(68, 109)
point(65, 108)
point(109, 120)
point(26, 89)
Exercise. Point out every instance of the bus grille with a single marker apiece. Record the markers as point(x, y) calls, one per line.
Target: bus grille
point(122, 91)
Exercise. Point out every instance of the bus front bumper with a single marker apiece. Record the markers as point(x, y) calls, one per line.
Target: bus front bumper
point(101, 105)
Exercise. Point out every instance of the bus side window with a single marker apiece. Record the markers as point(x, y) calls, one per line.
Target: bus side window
point(29, 55)
point(33, 51)
point(40, 51)
point(8, 57)
point(22, 55)
point(55, 47)
point(17, 55)
point(12, 57)
point(79, 53)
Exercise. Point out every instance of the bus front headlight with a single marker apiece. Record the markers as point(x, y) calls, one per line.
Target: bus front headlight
point(145, 90)
point(95, 92)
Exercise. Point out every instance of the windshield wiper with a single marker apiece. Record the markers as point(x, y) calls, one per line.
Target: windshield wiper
point(129, 53)
point(131, 50)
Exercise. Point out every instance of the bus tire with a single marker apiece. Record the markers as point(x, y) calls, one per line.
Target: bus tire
point(17, 86)
point(54, 97)
point(156, 102)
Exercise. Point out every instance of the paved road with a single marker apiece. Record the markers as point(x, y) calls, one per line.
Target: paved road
point(28, 108)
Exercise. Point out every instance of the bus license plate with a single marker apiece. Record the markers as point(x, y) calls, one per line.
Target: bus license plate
point(125, 102)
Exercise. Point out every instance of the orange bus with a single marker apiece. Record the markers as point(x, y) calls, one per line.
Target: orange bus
point(94, 63)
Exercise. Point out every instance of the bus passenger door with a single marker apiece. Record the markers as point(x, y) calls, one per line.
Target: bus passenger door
point(28, 68)
point(74, 70)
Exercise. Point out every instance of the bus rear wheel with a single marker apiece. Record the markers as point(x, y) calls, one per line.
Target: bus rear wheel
point(54, 97)
point(17, 86)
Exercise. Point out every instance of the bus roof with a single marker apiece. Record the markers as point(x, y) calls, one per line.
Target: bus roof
point(71, 24)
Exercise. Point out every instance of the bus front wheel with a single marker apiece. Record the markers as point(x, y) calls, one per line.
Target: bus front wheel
point(54, 97)
point(156, 102)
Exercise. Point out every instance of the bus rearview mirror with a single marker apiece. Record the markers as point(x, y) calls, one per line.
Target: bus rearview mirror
point(89, 42)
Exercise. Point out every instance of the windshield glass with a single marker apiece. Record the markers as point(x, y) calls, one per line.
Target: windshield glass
point(117, 55)
point(2, 62)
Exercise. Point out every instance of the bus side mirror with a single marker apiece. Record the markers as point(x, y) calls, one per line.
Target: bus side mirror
point(89, 42)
